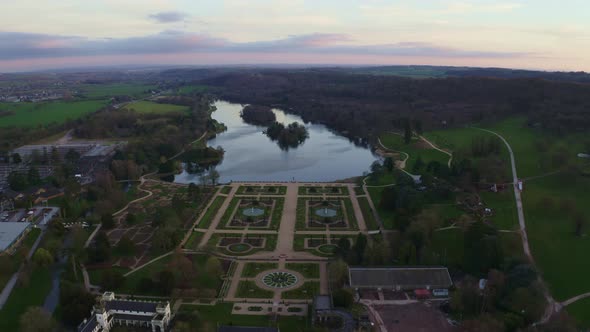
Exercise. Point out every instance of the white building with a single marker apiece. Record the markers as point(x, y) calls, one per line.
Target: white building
point(110, 311)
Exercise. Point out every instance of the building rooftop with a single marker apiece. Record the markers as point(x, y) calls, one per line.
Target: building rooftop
point(9, 232)
point(138, 306)
point(142, 318)
point(246, 329)
point(322, 302)
point(88, 326)
point(404, 277)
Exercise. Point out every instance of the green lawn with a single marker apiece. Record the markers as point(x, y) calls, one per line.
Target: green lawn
point(115, 89)
point(193, 240)
point(581, 311)
point(251, 269)
point(558, 253)
point(248, 289)
point(43, 113)
point(16, 260)
point(220, 314)
point(211, 212)
point(307, 270)
point(188, 89)
point(386, 216)
point(396, 143)
point(308, 290)
point(368, 213)
point(23, 297)
point(144, 106)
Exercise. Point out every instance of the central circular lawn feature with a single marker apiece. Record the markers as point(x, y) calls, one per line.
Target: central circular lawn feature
point(239, 247)
point(326, 212)
point(327, 248)
point(279, 279)
point(253, 212)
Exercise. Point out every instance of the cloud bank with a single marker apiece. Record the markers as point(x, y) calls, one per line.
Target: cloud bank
point(168, 17)
point(19, 46)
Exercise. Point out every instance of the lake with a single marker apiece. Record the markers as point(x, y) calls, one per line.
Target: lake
point(251, 156)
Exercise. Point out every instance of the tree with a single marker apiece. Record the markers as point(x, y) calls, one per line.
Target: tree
point(33, 176)
point(55, 157)
point(342, 298)
point(111, 280)
point(5, 265)
point(214, 176)
point(126, 246)
point(338, 272)
point(16, 158)
point(166, 281)
point(72, 156)
point(359, 247)
point(213, 266)
point(579, 222)
point(483, 323)
point(17, 181)
point(130, 219)
point(343, 247)
point(100, 251)
point(107, 221)
point(388, 164)
point(36, 319)
point(42, 257)
point(75, 301)
point(407, 132)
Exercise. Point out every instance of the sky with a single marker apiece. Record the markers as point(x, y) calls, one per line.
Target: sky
point(529, 34)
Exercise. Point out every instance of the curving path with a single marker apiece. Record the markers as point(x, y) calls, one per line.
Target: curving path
point(552, 305)
point(439, 149)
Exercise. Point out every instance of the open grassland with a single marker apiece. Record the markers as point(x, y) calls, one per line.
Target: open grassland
point(189, 89)
point(35, 114)
point(415, 149)
point(551, 206)
point(23, 297)
point(115, 89)
point(144, 106)
point(220, 314)
point(581, 311)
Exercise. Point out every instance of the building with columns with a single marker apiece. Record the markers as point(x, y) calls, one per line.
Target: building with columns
point(110, 311)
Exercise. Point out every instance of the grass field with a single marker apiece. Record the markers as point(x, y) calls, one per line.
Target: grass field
point(414, 150)
point(23, 297)
point(580, 310)
point(248, 289)
point(368, 215)
point(307, 270)
point(308, 290)
point(220, 314)
point(188, 89)
point(34, 114)
point(211, 211)
point(144, 106)
point(115, 89)
point(252, 269)
point(550, 204)
point(16, 260)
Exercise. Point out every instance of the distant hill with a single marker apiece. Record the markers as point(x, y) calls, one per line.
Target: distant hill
point(442, 71)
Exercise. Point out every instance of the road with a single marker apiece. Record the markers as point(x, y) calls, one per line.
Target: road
point(552, 306)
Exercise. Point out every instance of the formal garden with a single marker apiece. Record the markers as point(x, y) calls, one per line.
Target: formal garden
point(253, 212)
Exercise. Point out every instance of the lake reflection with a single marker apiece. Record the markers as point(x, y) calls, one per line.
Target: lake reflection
point(251, 156)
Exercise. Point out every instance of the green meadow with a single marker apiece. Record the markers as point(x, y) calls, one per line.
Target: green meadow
point(115, 89)
point(43, 113)
point(144, 106)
